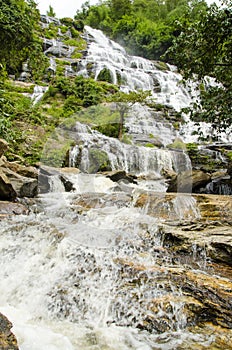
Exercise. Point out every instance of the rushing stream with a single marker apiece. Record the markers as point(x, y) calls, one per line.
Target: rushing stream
point(90, 279)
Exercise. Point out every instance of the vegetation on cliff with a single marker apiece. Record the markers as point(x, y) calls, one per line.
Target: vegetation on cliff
point(198, 39)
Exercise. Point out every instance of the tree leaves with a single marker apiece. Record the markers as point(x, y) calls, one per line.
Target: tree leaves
point(205, 48)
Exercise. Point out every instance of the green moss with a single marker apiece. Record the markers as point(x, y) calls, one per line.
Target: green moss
point(119, 78)
point(99, 161)
point(76, 54)
point(105, 75)
point(176, 125)
point(177, 144)
point(51, 31)
point(71, 42)
point(62, 62)
point(229, 155)
point(126, 139)
point(149, 145)
point(161, 65)
point(74, 33)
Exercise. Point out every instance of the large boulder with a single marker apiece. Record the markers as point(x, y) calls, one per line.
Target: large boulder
point(7, 338)
point(46, 173)
point(7, 191)
point(22, 185)
point(187, 181)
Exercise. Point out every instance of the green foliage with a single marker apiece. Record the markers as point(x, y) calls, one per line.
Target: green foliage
point(124, 102)
point(72, 104)
point(204, 48)
point(150, 145)
point(51, 12)
point(229, 155)
point(87, 91)
point(105, 75)
point(67, 21)
point(17, 21)
point(119, 8)
point(37, 61)
point(146, 27)
point(51, 31)
point(55, 151)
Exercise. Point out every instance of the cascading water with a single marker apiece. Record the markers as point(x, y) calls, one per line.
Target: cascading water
point(137, 73)
point(133, 72)
point(77, 279)
point(38, 93)
point(131, 158)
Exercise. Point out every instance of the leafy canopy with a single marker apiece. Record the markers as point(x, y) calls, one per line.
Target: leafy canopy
point(17, 23)
point(204, 48)
point(146, 27)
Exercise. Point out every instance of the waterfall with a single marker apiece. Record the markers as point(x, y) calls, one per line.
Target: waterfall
point(133, 72)
point(134, 159)
point(136, 73)
point(88, 269)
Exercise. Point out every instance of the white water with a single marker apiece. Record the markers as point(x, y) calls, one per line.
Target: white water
point(138, 160)
point(135, 72)
point(38, 93)
point(66, 281)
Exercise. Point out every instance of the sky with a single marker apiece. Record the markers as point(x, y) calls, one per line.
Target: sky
point(68, 8)
point(62, 8)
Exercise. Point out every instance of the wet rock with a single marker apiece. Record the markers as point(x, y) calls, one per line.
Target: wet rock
point(46, 172)
point(215, 242)
point(203, 298)
point(17, 180)
point(98, 200)
point(49, 171)
point(9, 208)
point(68, 185)
point(7, 339)
point(115, 175)
point(213, 293)
point(221, 186)
point(118, 175)
point(180, 207)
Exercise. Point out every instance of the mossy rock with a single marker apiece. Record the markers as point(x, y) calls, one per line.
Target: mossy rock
point(99, 161)
point(161, 65)
point(177, 144)
point(105, 75)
